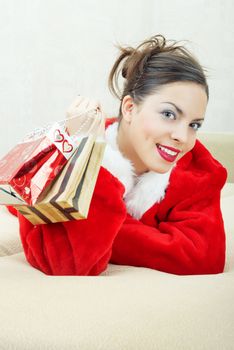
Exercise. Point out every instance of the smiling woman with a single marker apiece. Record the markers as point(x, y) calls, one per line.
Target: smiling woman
point(173, 132)
point(156, 202)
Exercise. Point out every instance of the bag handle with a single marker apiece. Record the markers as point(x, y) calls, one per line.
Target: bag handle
point(83, 117)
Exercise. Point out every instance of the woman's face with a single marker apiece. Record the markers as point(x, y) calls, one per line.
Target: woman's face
point(156, 134)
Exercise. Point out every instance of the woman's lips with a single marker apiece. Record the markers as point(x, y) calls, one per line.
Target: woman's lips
point(167, 153)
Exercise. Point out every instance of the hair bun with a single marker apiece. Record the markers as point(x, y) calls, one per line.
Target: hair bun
point(142, 52)
point(156, 43)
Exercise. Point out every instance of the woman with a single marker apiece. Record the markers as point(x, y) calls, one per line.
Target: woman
point(156, 203)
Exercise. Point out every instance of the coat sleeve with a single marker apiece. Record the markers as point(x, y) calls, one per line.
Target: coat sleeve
point(191, 239)
point(78, 247)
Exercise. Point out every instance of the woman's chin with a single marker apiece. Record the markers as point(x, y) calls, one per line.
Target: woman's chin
point(161, 168)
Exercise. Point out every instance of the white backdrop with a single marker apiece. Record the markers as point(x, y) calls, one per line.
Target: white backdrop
point(52, 50)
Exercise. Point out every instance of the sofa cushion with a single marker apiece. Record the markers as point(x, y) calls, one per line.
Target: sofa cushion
point(125, 308)
point(9, 233)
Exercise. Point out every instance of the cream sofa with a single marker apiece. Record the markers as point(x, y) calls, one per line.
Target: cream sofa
point(124, 308)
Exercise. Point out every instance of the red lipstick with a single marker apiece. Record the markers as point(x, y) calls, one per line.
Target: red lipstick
point(168, 153)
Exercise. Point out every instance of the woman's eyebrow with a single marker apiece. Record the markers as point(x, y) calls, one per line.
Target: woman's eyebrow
point(180, 111)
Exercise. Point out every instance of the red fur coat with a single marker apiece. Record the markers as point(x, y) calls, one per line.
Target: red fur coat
point(169, 222)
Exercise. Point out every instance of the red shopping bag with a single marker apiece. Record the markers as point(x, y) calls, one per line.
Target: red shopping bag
point(31, 166)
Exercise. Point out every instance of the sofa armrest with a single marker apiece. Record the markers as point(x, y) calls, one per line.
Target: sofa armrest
point(221, 146)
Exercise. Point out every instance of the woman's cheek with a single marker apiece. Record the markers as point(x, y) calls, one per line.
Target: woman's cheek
point(149, 126)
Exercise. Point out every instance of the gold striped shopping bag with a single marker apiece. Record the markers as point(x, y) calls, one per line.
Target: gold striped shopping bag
point(69, 196)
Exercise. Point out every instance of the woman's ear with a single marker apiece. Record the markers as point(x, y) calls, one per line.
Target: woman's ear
point(127, 108)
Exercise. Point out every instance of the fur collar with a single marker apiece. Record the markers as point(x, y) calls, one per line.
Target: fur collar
point(141, 192)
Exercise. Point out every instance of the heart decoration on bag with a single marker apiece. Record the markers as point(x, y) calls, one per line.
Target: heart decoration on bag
point(67, 147)
point(58, 136)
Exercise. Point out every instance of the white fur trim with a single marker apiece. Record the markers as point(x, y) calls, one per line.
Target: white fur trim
point(141, 192)
point(115, 162)
point(150, 188)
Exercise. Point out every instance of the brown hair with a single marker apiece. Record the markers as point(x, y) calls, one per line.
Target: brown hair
point(152, 64)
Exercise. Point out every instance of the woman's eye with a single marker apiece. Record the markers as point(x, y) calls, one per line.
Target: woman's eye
point(168, 115)
point(196, 126)
point(172, 116)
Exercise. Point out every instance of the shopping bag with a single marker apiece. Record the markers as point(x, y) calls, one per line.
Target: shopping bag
point(69, 196)
point(30, 167)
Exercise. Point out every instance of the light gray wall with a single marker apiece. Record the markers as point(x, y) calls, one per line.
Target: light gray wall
point(52, 50)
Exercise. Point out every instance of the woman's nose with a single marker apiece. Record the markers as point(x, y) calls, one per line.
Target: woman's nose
point(180, 133)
